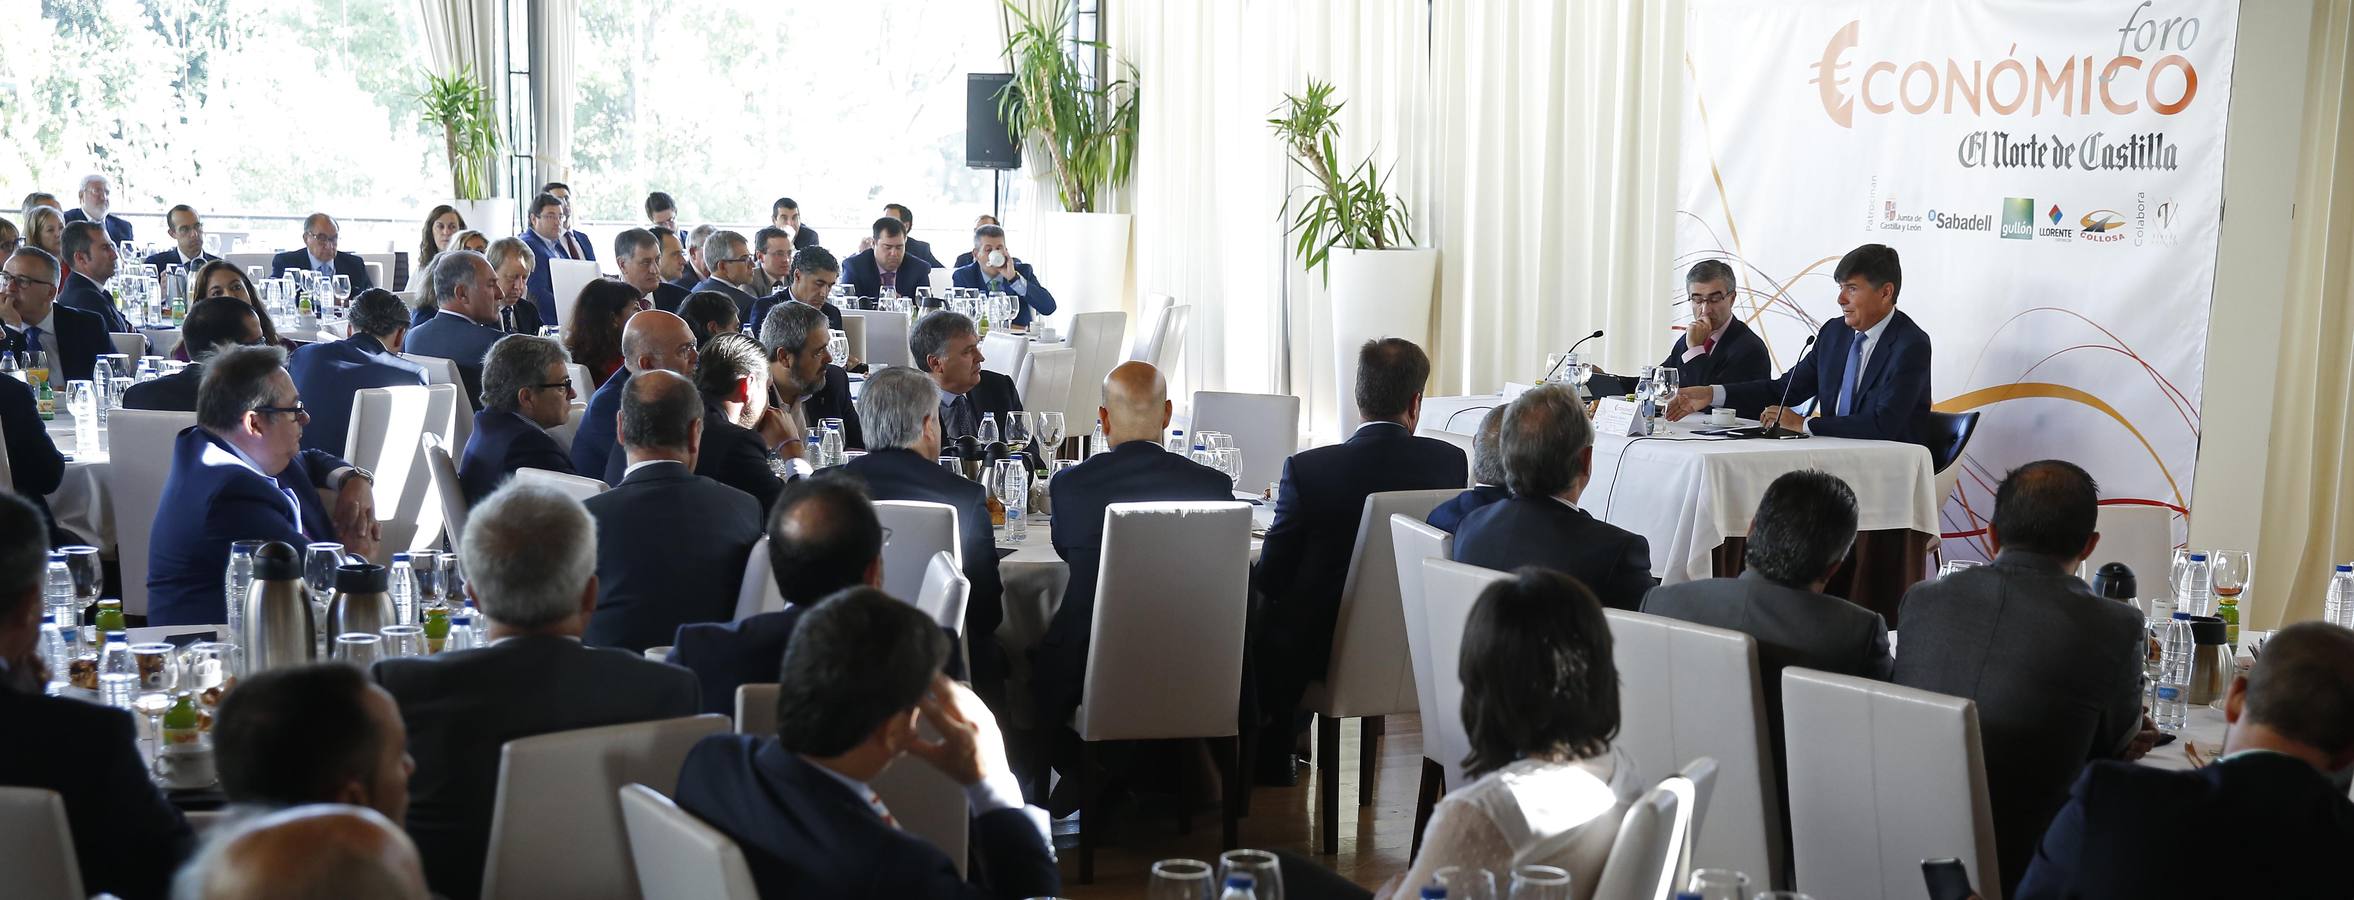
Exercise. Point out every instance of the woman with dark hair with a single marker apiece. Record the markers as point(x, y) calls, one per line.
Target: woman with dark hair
point(709, 313)
point(442, 224)
point(594, 335)
point(222, 278)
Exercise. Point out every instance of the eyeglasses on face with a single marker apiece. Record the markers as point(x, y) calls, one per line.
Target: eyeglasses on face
point(566, 385)
point(297, 411)
point(11, 279)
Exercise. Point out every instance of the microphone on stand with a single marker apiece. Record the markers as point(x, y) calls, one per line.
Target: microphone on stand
point(1573, 349)
point(1774, 428)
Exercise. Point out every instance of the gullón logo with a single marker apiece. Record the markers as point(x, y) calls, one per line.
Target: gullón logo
point(2018, 218)
point(1961, 222)
point(2101, 226)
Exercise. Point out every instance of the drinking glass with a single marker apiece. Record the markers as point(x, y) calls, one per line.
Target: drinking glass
point(1955, 565)
point(988, 429)
point(838, 346)
point(2180, 563)
point(342, 287)
point(453, 579)
point(1179, 879)
point(1718, 884)
point(1466, 882)
point(1540, 883)
point(210, 664)
point(1017, 429)
point(36, 366)
point(953, 465)
point(1050, 430)
point(359, 649)
point(118, 679)
point(1229, 462)
point(1265, 870)
point(319, 562)
point(153, 664)
point(403, 640)
point(12, 365)
point(82, 563)
point(2230, 568)
point(425, 573)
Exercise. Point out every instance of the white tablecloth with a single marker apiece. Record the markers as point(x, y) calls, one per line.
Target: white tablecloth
point(81, 502)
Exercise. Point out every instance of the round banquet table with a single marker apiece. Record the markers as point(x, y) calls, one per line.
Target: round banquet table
point(81, 502)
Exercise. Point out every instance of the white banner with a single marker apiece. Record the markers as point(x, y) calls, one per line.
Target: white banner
point(2051, 174)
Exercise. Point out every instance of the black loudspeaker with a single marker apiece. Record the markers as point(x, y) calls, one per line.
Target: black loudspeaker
point(988, 143)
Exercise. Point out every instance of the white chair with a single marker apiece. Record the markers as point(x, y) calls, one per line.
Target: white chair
point(1460, 440)
point(758, 592)
point(566, 278)
point(945, 592)
point(129, 343)
point(386, 436)
point(853, 336)
point(1002, 352)
point(1169, 349)
point(1448, 591)
point(919, 529)
point(1882, 777)
point(577, 487)
point(1650, 839)
point(886, 338)
point(1412, 541)
point(1046, 372)
point(1166, 644)
point(679, 857)
point(162, 341)
point(139, 443)
point(1148, 326)
point(1266, 428)
point(925, 802)
point(246, 261)
point(1363, 679)
point(1694, 787)
point(37, 847)
point(1096, 336)
point(582, 384)
point(443, 371)
point(563, 433)
point(1687, 691)
point(555, 822)
point(446, 487)
point(2141, 537)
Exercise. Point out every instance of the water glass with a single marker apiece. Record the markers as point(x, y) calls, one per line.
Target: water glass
point(1179, 879)
point(118, 677)
point(403, 640)
point(1229, 461)
point(453, 578)
point(359, 649)
point(153, 664)
point(1718, 884)
point(1017, 428)
point(1539, 883)
point(1265, 870)
point(988, 433)
point(425, 574)
point(211, 664)
point(1466, 882)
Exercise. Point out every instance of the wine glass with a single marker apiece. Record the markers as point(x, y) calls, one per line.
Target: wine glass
point(1229, 462)
point(358, 648)
point(1017, 430)
point(342, 289)
point(425, 573)
point(988, 430)
point(82, 563)
point(1265, 870)
point(1718, 884)
point(1050, 431)
point(453, 579)
point(1466, 882)
point(319, 562)
point(2230, 568)
point(1179, 879)
point(1539, 883)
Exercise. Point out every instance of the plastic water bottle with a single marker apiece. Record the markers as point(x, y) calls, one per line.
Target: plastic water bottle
point(401, 583)
point(1176, 442)
point(1239, 887)
point(2174, 674)
point(84, 403)
point(2195, 594)
point(829, 449)
point(2338, 607)
point(1014, 492)
point(236, 582)
point(57, 646)
point(58, 589)
point(118, 676)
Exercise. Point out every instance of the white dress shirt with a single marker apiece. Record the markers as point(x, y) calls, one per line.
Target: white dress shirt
point(1830, 398)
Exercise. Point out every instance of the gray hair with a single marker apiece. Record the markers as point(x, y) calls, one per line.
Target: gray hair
point(1710, 270)
point(1541, 436)
point(516, 362)
point(893, 406)
point(1487, 462)
point(36, 254)
point(700, 234)
point(235, 382)
point(530, 551)
point(987, 231)
point(504, 249)
point(717, 245)
point(634, 239)
point(378, 312)
point(454, 269)
point(659, 410)
point(788, 325)
point(931, 336)
point(94, 176)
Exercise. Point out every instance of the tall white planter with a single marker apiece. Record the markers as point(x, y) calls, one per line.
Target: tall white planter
point(493, 216)
point(1376, 294)
point(1084, 256)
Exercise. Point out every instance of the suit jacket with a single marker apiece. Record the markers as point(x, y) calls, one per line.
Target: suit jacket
point(727, 655)
point(81, 294)
point(2281, 810)
point(922, 250)
point(669, 294)
point(897, 473)
point(541, 288)
point(1892, 396)
point(346, 264)
point(177, 393)
point(118, 229)
point(858, 271)
point(1739, 356)
point(126, 836)
point(463, 707)
point(670, 550)
point(962, 260)
point(2056, 672)
point(81, 337)
point(460, 340)
point(995, 395)
point(804, 238)
point(1448, 516)
point(218, 499)
point(328, 374)
point(1131, 472)
point(597, 440)
point(744, 301)
point(171, 257)
point(765, 302)
point(1037, 299)
point(520, 317)
point(33, 461)
point(833, 402)
point(1543, 531)
point(805, 834)
point(733, 455)
point(503, 442)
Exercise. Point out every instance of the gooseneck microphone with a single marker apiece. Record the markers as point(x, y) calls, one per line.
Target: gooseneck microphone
point(1774, 427)
point(1564, 360)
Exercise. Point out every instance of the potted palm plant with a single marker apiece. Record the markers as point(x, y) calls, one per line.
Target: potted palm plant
point(1084, 133)
point(468, 117)
point(1350, 229)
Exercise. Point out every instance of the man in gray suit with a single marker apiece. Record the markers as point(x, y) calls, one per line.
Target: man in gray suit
point(2056, 670)
point(531, 560)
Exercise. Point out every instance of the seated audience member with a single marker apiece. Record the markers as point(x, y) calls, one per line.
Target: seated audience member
point(93, 261)
point(637, 253)
point(786, 214)
point(1716, 346)
point(661, 211)
point(2292, 725)
point(730, 261)
point(995, 270)
point(2055, 669)
point(948, 347)
point(1548, 449)
point(811, 276)
point(221, 278)
point(320, 237)
point(901, 409)
point(321, 850)
point(966, 258)
point(45, 230)
point(1487, 475)
point(670, 264)
point(96, 195)
point(126, 836)
point(10, 238)
point(651, 340)
point(313, 734)
point(671, 544)
point(808, 386)
point(72, 338)
point(915, 248)
point(696, 268)
point(744, 440)
point(330, 373)
point(594, 337)
point(531, 559)
point(863, 673)
point(35, 466)
point(1305, 557)
point(547, 238)
point(511, 265)
point(576, 245)
point(886, 265)
point(467, 322)
point(213, 323)
point(709, 313)
point(525, 392)
point(1135, 413)
point(187, 250)
point(241, 474)
point(772, 268)
point(442, 227)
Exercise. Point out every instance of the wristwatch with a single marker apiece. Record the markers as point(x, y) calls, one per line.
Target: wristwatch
point(356, 472)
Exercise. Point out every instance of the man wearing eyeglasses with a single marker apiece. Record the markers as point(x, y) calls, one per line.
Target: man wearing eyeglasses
point(546, 238)
point(525, 391)
point(187, 230)
point(241, 474)
point(71, 338)
point(33, 461)
point(729, 258)
point(320, 238)
point(1716, 347)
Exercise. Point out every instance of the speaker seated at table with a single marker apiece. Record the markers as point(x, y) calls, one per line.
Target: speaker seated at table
point(1548, 450)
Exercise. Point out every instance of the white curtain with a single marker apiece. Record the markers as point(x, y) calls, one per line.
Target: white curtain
point(552, 24)
point(464, 34)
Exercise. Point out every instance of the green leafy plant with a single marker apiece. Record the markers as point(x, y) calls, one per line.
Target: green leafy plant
point(1350, 208)
point(1086, 133)
point(468, 117)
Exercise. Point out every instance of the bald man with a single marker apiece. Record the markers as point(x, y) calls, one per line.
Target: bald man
point(650, 340)
point(325, 850)
point(1135, 413)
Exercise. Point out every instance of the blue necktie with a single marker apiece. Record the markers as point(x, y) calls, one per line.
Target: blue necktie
point(1855, 370)
point(33, 337)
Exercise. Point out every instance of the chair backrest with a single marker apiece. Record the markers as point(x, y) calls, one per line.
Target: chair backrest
point(555, 822)
point(562, 434)
point(919, 529)
point(886, 337)
point(577, 487)
point(1166, 657)
point(1148, 325)
point(583, 384)
point(386, 436)
point(129, 343)
point(446, 487)
point(1364, 678)
point(1046, 372)
point(1002, 352)
point(1266, 427)
point(139, 445)
point(678, 856)
point(566, 278)
point(1168, 349)
point(1882, 777)
point(1097, 336)
point(854, 335)
point(1953, 436)
point(1412, 541)
point(37, 846)
point(1688, 691)
point(1694, 786)
point(1647, 843)
point(925, 802)
point(162, 341)
point(1460, 440)
point(1448, 591)
point(758, 592)
point(2141, 537)
point(443, 371)
point(945, 592)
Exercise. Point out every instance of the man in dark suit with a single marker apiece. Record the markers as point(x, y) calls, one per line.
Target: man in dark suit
point(467, 324)
point(212, 323)
point(672, 266)
point(811, 277)
point(865, 671)
point(1487, 475)
point(651, 340)
point(93, 261)
point(1305, 557)
point(732, 374)
point(916, 248)
point(187, 250)
point(320, 237)
point(808, 386)
point(1548, 450)
point(546, 239)
point(695, 270)
point(995, 270)
point(2292, 724)
point(772, 268)
point(901, 410)
point(730, 259)
point(511, 265)
point(638, 254)
point(1869, 371)
point(72, 338)
point(886, 264)
point(786, 214)
point(2055, 669)
point(948, 346)
point(241, 474)
point(125, 835)
point(671, 544)
point(531, 560)
point(320, 733)
point(574, 244)
point(33, 461)
point(966, 258)
point(1717, 347)
point(1135, 413)
point(96, 206)
point(330, 373)
point(526, 390)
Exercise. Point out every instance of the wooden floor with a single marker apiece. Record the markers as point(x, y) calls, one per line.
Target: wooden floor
point(1376, 842)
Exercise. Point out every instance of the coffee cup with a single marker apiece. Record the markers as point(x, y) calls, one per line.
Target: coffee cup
point(185, 766)
point(1722, 415)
